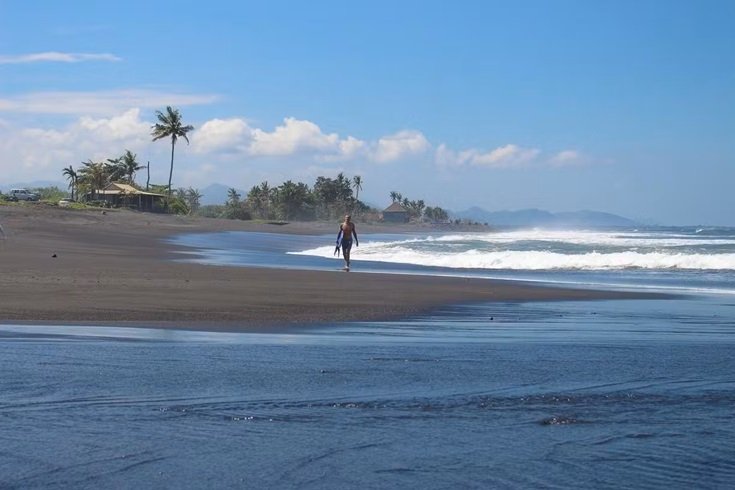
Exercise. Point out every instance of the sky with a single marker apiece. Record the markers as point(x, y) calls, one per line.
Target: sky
point(620, 106)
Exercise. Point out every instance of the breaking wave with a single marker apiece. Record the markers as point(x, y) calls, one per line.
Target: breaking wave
point(538, 250)
point(530, 260)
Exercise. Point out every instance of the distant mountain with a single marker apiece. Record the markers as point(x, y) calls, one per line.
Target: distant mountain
point(541, 218)
point(217, 194)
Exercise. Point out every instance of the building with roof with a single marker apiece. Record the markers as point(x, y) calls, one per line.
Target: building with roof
point(117, 194)
point(395, 213)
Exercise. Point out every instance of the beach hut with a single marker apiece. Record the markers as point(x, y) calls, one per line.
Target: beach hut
point(395, 213)
point(117, 194)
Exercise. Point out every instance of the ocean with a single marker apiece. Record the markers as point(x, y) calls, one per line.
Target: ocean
point(595, 394)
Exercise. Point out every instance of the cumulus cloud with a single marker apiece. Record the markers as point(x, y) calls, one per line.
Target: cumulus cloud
point(33, 152)
point(55, 56)
point(222, 135)
point(126, 126)
point(99, 103)
point(503, 156)
point(292, 136)
point(399, 145)
point(351, 147)
point(302, 136)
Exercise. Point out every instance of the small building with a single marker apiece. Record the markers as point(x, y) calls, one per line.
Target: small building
point(117, 195)
point(395, 213)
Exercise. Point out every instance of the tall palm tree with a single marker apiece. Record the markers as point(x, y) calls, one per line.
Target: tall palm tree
point(170, 125)
point(70, 174)
point(357, 185)
point(393, 196)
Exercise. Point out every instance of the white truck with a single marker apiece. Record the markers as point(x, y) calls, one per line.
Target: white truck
point(23, 195)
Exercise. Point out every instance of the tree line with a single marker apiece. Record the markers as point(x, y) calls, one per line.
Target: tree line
point(418, 210)
point(328, 199)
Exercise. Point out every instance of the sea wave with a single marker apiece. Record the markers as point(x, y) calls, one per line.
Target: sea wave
point(537, 260)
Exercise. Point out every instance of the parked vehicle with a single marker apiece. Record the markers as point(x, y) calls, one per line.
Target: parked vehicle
point(23, 195)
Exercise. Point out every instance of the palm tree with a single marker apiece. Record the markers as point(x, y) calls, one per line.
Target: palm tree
point(114, 169)
point(170, 125)
point(265, 196)
point(287, 199)
point(255, 201)
point(344, 188)
point(393, 196)
point(129, 164)
point(70, 174)
point(95, 175)
point(233, 197)
point(357, 184)
point(193, 197)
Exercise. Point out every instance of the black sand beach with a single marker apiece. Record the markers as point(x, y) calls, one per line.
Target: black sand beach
point(67, 266)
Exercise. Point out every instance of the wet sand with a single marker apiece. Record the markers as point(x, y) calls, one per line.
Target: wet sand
point(62, 266)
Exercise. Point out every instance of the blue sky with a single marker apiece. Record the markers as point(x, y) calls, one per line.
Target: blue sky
point(619, 106)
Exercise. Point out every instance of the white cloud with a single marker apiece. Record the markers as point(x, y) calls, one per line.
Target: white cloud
point(503, 156)
point(301, 136)
point(40, 153)
point(446, 157)
point(126, 126)
point(101, 103)
point(55, 56)
point(290, 137)
point(400, 145)
point(567, 158)
point(351, 147)
point(222, 135)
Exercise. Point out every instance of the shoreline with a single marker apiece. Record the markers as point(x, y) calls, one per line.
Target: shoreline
point(114, 268)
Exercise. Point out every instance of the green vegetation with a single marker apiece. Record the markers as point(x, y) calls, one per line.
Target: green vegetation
point(50, 194)
point(418, 211)
point(328, 199)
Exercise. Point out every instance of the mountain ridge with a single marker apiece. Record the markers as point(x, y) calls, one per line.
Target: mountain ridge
point(542, 218)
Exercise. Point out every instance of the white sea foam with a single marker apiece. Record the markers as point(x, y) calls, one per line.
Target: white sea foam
point(538, 250)
point(540, 260)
